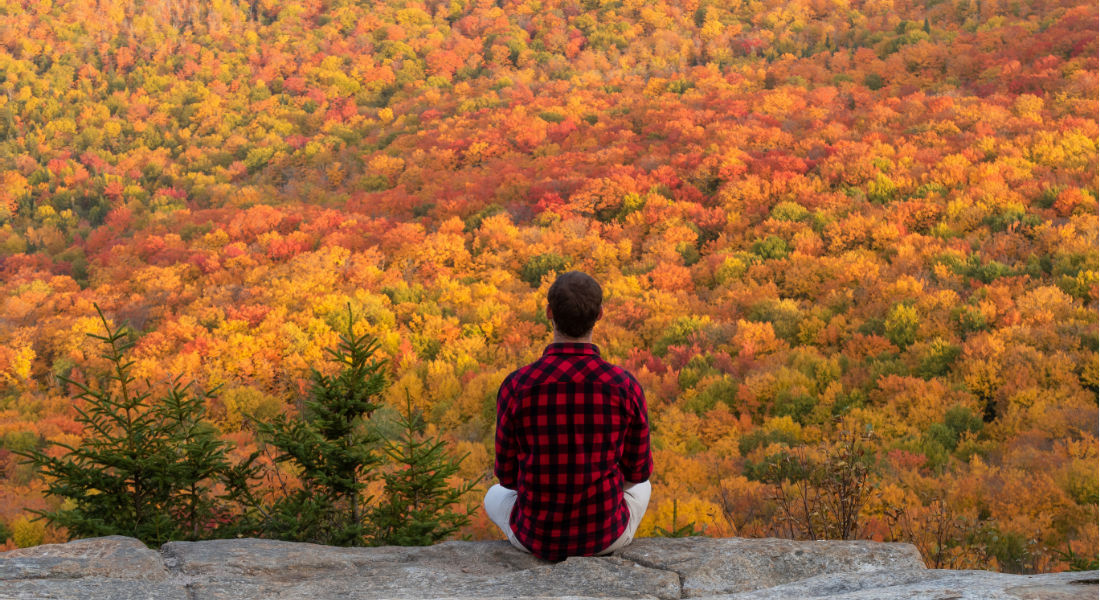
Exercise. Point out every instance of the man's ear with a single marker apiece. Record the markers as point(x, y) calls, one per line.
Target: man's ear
point(549, 314)
point(599, 315)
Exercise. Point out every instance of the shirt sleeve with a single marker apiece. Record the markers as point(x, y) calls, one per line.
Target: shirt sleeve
point(637, 461)
point(507, 465)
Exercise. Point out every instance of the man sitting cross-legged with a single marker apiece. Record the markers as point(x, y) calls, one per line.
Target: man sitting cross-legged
point(572, 440)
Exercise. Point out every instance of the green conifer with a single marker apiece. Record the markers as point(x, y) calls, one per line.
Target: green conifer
point(676, 530)
point(332, 448)
point(150, 468)
point(417, 508)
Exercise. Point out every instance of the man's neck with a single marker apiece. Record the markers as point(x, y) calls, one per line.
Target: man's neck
point(561, 338)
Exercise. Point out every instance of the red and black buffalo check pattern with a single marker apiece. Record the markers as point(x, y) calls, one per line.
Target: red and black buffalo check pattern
point(571, 428)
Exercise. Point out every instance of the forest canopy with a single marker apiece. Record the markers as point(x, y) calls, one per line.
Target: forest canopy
point(814, 221)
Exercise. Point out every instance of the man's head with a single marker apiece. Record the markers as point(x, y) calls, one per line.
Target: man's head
point(574, 303)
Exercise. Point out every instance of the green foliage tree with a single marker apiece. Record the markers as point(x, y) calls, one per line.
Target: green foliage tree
point(150, 468)
point(938, 359)
point(874, 81)
point(771, 247)
point(538, 266)
point(417, 509)
point(332, 448)
point(902, 324)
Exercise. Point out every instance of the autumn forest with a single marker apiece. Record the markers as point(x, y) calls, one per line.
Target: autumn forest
point(848, 247)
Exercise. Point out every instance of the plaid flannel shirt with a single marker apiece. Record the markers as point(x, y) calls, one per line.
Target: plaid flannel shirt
point(570, 429)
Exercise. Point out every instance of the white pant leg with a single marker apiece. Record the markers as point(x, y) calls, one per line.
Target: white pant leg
point(499, 502)
point(636, 496)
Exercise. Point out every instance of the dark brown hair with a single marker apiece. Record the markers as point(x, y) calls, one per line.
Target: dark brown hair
point(575, 300)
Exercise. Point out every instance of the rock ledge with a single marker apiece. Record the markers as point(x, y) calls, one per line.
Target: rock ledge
point(121, 568)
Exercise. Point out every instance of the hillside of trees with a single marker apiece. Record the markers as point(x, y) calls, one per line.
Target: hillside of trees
point(848, 247)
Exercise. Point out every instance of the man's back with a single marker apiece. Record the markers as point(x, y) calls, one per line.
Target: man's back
point(570, 429)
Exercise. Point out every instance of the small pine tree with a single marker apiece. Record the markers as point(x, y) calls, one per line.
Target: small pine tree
point(213, 497)
point(332, 449)
point(149, 468)
point(678, 531)
point(417, 508)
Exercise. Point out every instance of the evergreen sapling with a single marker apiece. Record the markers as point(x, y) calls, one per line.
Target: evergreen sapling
point(417, 509)
point(331, 448)
point(150, 468)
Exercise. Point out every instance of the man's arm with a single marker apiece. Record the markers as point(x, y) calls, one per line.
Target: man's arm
point(507, 465)
point(637, 461)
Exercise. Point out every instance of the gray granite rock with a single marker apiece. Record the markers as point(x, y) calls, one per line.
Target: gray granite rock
point(90, 588)
point(117, 568)
point(932, 583)
point(255, 557)
point(107, 568)
point(114, 557)
point(238, 569)
point(709, 566)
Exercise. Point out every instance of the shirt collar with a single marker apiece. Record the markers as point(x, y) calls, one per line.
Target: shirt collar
point(579, 348)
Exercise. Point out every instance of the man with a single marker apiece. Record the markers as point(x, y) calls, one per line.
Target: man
point(572, 440)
